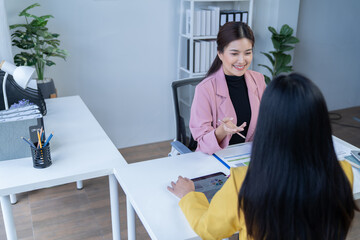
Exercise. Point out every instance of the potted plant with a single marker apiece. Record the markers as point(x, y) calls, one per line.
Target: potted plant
point(39, 44)
point(282, 42)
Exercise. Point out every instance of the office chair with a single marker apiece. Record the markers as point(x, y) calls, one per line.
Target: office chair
point(183, 94)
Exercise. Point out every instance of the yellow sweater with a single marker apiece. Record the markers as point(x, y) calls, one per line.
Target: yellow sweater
point(221, 219)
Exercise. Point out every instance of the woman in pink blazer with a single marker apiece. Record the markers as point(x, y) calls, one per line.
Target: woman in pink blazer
point(227, 101)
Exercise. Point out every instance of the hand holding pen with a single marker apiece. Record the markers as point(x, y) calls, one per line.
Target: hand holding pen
point(230, 128)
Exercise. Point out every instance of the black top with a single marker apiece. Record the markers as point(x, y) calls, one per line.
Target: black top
point(240, 99)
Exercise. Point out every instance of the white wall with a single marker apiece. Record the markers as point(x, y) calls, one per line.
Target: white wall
point(122, 62)
point(329, 49)
point(274, 13)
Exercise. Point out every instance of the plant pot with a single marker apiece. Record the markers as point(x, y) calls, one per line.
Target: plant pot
point(47, 87)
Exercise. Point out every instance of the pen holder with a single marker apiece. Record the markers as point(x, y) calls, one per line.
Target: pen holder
point(41, 156)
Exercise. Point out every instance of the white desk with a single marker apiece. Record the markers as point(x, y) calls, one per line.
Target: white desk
point(144, 184)
point(80, 149)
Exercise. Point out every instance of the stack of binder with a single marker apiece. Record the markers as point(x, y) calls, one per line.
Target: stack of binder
point(17, 123)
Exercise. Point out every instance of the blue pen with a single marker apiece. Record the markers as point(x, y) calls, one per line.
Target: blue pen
point(48, 139)
point(30, 143)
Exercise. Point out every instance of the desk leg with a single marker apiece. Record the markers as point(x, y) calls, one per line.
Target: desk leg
point(130, 220)
point(8, 218)
point(13, 198)
point(114, 204)
point(79, 185)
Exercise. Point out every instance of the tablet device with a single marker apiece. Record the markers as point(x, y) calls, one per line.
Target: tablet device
point(209, 184)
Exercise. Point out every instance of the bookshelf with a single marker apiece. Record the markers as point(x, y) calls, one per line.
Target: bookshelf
point(190, 38)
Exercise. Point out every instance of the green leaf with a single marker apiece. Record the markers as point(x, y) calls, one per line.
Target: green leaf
point(275, 43)
point(23, 12)
point(287, 60)
point(268, 68)
point(292, 40)
point(269, 57)
point(272, 30)
point(49, 63)
point(286, 30)
point(284, 69)
point(285, 48)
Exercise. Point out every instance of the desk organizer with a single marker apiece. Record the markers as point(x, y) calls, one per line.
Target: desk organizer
point(41, 156)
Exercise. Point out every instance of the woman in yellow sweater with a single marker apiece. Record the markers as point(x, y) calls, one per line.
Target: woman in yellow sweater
point(294, 187)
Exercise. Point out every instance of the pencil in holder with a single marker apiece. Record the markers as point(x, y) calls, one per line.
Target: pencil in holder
point(41, 156)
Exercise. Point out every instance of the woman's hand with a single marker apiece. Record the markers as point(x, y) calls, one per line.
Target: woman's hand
point(228, 127)
point(182, 187)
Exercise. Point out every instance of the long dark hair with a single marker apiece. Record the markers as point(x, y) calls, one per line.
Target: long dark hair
point(295, 187)
point(229, 32)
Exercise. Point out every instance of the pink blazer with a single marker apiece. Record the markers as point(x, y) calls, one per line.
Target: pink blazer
point(212, 102)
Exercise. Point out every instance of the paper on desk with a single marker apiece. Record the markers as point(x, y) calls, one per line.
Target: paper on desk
point(236, 155)
point(239, 154)
point(341, 150)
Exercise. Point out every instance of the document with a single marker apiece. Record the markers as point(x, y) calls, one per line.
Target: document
point(236, 155)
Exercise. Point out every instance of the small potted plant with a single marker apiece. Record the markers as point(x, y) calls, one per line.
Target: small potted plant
point(39, 46)
point(282, 42)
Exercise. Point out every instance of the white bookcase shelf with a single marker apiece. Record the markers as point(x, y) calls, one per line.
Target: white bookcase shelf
point(186, 40)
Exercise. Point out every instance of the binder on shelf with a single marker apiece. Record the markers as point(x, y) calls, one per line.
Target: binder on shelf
point(187, 21)
point(215, 20)
point(244, 16)
point(202, 56)
point(238, 17)
point(196, 56)
point(197, 23)
point(207, 55)
point(13, 126)
point(207, 22)
point(230, 16)
point(203, 23)
point(223, 18)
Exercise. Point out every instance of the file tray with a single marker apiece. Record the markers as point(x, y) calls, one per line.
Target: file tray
point(12, 128)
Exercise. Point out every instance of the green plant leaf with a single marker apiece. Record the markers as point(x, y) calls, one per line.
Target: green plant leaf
point(23, 12)
point(292, 40)
point(268, 68)
point(275, 43)
point(286, 30)
point(269, 57)
point(285, 48)
point(284, 69)
point(272, 30)
point(287, 59)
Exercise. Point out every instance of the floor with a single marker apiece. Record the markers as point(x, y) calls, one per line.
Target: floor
point(64, 213)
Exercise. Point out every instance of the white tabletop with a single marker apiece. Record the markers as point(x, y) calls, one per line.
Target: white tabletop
point(145, 186)
point(80, 149)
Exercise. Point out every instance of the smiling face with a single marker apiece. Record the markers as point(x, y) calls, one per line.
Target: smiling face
point(236, 57)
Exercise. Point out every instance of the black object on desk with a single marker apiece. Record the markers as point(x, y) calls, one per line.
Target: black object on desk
point(41, 156)
point(15, 93)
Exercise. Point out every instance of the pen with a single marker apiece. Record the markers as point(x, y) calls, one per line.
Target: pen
point(30, 143)
point(48, 139)
point(236, 132)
